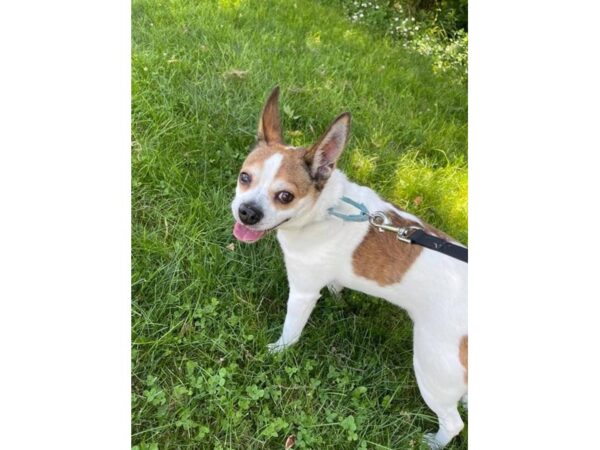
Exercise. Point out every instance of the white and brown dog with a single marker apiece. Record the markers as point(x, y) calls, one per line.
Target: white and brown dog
point(292, 189)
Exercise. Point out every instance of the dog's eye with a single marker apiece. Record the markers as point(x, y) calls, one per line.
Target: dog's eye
point(285, 197)
point(245, 178)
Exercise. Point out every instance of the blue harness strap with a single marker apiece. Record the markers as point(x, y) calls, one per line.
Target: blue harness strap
point(362, 217)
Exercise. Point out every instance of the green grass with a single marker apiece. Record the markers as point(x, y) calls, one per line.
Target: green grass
point(203, 313)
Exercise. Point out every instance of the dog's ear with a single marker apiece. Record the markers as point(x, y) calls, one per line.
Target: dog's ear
point(269, 125)
point(322, 157)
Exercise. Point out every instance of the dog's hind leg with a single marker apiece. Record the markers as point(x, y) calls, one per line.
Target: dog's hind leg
point(441, 379)
point(450, 425)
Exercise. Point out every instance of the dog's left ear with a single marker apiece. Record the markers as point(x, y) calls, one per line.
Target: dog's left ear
point(322, 157)
point(269, 125)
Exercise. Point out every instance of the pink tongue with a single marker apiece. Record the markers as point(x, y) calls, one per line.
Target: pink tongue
point(243, 233)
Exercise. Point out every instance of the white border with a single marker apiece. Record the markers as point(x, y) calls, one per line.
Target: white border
point(65, 240)
point(533, 183)
point(64, 237)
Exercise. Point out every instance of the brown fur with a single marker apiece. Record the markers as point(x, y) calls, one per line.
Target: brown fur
point(381, 257)
point(463, 354)
point(293, 170)
point(260, 154)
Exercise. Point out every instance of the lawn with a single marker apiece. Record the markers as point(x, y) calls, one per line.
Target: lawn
point(204, 306)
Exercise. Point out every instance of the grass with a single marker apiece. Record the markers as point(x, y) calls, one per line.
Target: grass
point(203, 306)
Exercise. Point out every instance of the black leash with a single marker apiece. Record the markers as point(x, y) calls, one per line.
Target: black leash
point(418, 236)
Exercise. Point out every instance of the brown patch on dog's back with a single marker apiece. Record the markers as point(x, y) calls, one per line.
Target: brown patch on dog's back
point(463, 355)
point(383, 258)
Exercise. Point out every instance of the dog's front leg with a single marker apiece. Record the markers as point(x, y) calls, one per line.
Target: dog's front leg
point(299, 306)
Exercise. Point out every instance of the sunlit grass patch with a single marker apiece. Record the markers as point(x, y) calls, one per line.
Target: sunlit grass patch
point(362, 167)
point(439, 195)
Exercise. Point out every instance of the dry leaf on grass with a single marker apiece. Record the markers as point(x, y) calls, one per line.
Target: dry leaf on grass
point(290, 441)
point(236, 73)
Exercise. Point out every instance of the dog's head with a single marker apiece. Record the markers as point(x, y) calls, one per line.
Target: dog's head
point(277, 183)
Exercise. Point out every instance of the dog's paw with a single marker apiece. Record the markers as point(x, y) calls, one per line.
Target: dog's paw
point(432, 442)
point(335, 289)
point(464, 401)
point(278, 346)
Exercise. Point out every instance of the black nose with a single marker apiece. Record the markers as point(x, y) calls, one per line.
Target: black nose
point(250, 214)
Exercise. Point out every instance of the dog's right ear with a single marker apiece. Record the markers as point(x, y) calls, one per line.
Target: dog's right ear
point(269, 125)
point(322, 157)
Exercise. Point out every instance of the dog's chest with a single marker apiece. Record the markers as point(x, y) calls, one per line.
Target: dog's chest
point(323, 245)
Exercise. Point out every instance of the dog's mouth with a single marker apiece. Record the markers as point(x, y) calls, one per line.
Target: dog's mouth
point(246, 234)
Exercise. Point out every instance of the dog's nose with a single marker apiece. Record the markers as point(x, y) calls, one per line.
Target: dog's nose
point(250, 214)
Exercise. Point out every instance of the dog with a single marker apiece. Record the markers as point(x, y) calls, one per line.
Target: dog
point(293, 190)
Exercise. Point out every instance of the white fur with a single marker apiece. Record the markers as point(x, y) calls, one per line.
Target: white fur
point(318, 252)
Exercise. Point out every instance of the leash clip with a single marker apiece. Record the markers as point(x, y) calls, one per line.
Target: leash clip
point(405, 233)
point(382, 222)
